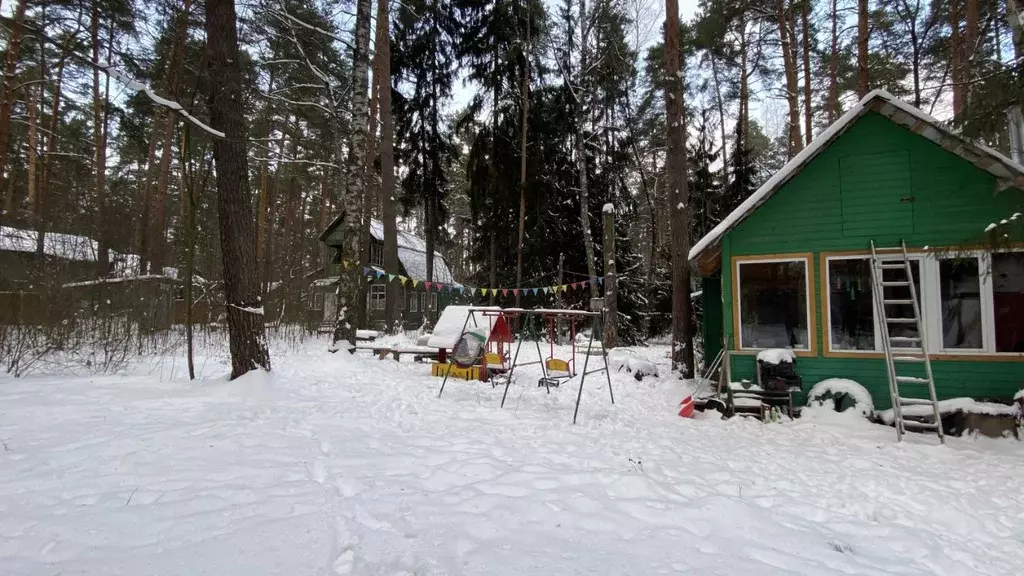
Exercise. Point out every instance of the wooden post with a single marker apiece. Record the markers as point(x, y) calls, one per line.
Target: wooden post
point(558, 299)
point(611, 325)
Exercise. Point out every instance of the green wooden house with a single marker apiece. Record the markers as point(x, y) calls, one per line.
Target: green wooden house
point(789, 268)
point(415, 302)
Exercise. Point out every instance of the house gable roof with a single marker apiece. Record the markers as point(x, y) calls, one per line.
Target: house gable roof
point(412, 252)
point(1007, 172)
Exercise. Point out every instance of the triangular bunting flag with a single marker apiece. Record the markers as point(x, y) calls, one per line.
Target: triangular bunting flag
point(403, 279)
point(415, 282)
point(504, 291)
point(516, 291)
point(427, 285)
point(391, 277)
point(575, 285)
point(366, 271)
point(547, 289)
point(563, 287)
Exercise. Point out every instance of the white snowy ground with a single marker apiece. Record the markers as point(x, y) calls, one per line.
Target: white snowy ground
point(337, 464)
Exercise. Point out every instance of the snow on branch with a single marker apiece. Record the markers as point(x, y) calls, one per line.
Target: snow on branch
point(250, 310)
point(132, 84)
point(282, 13)
point(137, 86)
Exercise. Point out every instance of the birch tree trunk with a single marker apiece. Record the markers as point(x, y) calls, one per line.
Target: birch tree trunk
point(370, 186)
point(863, 82)
point(389, 214)
point(348, 283)
point(582, 111)
point(678, 193)
point(99, 136)
point(243, 305)
point(33, 143)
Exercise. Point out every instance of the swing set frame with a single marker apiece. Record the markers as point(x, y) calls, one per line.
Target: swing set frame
point(550, 316)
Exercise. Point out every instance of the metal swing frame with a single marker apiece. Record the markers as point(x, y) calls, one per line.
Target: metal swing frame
point(529, 317)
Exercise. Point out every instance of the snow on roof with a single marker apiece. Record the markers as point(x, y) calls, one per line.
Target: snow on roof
point(412, 252)
point(998, 164)
point(65, 246)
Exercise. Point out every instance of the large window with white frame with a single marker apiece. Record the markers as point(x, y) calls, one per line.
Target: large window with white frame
point(774, 309)
point(970, 302)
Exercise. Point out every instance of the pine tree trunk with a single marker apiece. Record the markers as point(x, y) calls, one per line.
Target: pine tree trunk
point(525, 95)
point(244, 308)
point(99, 136)
point(389, 214)
point(582, 110)
point(786, 39)
point(262, 203)
point(348, 283)
point(721, 121)
point(863, 82)
point(39, 209)
point(7, 97)
point(148, 188)
point(832, 100)
point(806, 26)
point(744, 104)
point(675, 170)
point(158, 228)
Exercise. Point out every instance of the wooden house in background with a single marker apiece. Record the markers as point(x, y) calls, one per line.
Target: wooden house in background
point(790, 267)
point(412, 255)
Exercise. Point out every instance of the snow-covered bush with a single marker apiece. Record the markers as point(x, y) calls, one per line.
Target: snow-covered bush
point(841, 394)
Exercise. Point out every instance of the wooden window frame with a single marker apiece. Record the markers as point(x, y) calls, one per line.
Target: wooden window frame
point(811, 300)
point(931, 304)
point(378, 293)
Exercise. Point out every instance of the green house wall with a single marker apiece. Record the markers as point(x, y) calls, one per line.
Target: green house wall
point(876, 181)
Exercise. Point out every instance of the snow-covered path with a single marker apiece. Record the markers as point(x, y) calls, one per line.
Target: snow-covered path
point(337, 464)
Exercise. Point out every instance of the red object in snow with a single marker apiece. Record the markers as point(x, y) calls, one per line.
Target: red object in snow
point(686, 407)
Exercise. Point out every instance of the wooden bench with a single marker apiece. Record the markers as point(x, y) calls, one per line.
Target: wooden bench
point(419, 353)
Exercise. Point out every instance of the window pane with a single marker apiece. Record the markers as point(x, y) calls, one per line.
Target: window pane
point(1008, 301)
point(901, 293)
point(773, 305)
point(960, 287)
point(850, 304)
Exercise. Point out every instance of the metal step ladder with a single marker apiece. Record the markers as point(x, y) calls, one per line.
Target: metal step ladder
point(903, 339)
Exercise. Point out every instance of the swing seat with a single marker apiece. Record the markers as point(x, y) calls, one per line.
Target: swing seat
point(557, 367)
point(495, 362)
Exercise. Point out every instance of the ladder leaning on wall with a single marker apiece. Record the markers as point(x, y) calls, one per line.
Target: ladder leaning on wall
point(906, 347)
